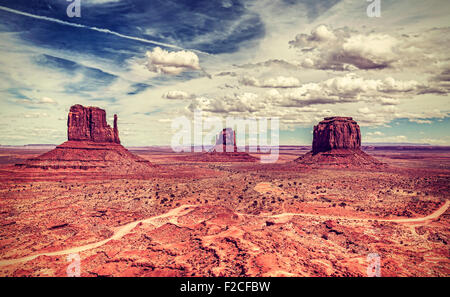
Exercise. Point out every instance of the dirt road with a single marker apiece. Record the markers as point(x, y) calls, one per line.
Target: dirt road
point(172, 215)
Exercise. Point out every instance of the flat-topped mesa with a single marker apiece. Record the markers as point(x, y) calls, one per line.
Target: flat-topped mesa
point(337, 144)
point(226, 141)
point(89, 124)
point(336, 133)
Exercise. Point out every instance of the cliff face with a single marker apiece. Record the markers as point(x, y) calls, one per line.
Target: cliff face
point(337, 143)
point(336, 133)
point(89, 124)
point(226, 141)
point(92, 147)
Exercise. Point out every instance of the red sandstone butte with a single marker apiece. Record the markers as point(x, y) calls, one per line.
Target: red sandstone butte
point(337, 142)
point(224, 150)
point(92, 146)
point(336, 133)
point(226, 141)
point(89, 124)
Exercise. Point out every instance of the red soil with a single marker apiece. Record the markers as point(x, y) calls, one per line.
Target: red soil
point(228, 219)
point(219, 157)
point(339, 158)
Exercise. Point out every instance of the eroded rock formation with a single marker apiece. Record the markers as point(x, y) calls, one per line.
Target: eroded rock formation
point(226, 141)
point(89, 124)
point(337, 143)
point(336, 133)
point(92, 146)
point(224, 150)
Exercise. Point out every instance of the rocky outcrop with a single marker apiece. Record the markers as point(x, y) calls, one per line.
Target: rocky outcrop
point(226, 142)
point(89, 124)
point(116, 130)
point(337, 143)
point(92, 146)
point(336, 133)
point(224, 150)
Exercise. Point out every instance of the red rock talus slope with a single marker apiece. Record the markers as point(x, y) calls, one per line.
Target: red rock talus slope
point(337, 143)
point(93, 145)
point(219, 157)
point(87, 155)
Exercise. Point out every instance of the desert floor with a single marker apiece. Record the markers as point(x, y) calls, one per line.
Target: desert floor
point(228, 219)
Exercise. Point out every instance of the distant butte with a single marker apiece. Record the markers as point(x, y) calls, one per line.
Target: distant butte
point(224, 150)
point(225, 142)
point(92, 146)
point(337, 143)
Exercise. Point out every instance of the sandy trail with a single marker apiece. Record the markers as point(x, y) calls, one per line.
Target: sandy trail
point(118, 233)
point(172, 215)
point(263, 187)
point(436, 214)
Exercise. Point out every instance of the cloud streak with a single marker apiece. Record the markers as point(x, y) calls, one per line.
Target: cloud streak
point(106, 31)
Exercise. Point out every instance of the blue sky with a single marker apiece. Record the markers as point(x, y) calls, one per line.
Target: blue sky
point(154, 61)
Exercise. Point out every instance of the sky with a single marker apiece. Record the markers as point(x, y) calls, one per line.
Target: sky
point(152, 62)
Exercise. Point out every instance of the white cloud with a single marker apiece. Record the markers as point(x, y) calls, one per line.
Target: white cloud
point(35, 115)
point(435, 113)
point(378, 48)
point(389, 109)
point(372, 102)
point(320, 34)
point(345, 49)
point(249, 81)
point(46, 100)
point(43, 100)
point(281, 82)
point(348, 88)
point(236, 103)
point(227, 3)
point(419, 121)
point(388, 101)
point(165, 62)
point(376, 133)
point(274, 94)
point(177, 95)
point(382, 138)
point(364, 110)
point(277, 82)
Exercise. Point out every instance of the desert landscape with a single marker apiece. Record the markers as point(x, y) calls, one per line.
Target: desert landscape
point(153, 212)
point(225, 145)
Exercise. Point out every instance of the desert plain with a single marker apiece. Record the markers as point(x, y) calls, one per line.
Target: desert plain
point(222, 218)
